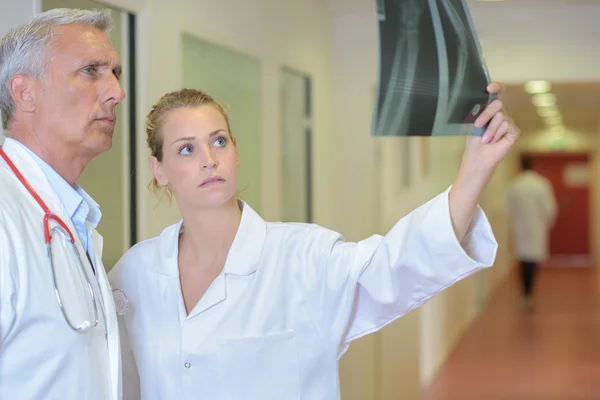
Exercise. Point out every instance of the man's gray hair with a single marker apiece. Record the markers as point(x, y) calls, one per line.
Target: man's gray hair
point(23, 49)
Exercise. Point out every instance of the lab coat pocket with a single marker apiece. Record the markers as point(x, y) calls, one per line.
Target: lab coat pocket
point(261, 368)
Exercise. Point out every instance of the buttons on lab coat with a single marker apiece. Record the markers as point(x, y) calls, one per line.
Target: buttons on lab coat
point(187, 365)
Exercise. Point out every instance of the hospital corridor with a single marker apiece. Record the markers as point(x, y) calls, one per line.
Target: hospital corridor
point(300, 84)
point(549, 354)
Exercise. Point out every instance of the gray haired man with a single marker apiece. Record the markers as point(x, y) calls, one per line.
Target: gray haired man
point(59, 87)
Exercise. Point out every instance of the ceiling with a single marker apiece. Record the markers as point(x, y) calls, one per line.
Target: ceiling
point(522, 40)
point(578, 103)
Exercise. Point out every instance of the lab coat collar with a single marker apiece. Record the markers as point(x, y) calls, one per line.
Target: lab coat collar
point(33, 174)
point(244, 255)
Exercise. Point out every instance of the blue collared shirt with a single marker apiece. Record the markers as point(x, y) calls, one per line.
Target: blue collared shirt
point(80, 207)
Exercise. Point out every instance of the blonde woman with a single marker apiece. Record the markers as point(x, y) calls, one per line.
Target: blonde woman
point(223, 305)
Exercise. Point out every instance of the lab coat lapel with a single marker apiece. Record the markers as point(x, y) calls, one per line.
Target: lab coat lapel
point(36, 178)
point(216, 293)
point(246, 250)
point(114, 351)
point(242, 259)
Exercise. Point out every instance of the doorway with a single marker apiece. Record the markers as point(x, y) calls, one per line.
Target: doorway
point(570, 175)
point(296, 130)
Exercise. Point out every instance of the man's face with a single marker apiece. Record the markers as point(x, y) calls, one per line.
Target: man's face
point(76, 97)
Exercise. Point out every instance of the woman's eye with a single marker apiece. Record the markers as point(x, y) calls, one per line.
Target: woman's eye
point(185, 150)
point(220, 142)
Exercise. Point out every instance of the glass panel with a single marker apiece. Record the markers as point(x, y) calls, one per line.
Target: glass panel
point(233, 80)
point(296, 132)
point(104, 177)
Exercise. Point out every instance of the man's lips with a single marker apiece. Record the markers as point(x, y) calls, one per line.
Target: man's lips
point(109, 120)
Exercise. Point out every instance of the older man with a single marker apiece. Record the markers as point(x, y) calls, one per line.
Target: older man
point(59, 86)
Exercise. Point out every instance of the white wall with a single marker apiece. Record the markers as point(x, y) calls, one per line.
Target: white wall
point(14, 13)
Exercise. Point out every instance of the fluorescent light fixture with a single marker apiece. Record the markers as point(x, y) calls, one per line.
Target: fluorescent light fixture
point(545, 112)
point(544, 99)
point(534, 87)
point(555, 120)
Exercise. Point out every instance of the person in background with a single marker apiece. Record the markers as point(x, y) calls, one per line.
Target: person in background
point(59, 87)
point(224, 305)
point(531, 208)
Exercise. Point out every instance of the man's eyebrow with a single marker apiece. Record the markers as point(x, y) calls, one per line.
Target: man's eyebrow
point(117, 70)
point(97, 63)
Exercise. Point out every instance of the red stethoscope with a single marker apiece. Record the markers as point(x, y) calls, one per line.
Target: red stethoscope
point(64, 230)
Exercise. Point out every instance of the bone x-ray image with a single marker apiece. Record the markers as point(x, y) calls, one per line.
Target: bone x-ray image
point(432, 78)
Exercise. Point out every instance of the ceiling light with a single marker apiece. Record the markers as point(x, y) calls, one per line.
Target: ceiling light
point(555, 120)
point(547, 111)
point(544, 99)
point(533, 87)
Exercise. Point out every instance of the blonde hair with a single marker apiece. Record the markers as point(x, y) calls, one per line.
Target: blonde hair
point(171, 101)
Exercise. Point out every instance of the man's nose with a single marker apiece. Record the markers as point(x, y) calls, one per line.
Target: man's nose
point(115, 92)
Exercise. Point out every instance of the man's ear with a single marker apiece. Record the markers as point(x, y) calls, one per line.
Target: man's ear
point(157, 171)
point(22, 92)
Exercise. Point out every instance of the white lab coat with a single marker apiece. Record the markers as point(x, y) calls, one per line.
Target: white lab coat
point(41, 357)
point(289, 301)
point(531, 207)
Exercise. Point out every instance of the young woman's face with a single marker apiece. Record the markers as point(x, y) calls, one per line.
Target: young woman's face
point(200, 158)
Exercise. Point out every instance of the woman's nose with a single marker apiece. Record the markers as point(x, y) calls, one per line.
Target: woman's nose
point(209, 161)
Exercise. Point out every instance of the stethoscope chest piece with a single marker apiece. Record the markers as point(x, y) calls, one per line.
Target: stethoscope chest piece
point(121, 302)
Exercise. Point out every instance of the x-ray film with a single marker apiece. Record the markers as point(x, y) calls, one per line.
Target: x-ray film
point(432, 77)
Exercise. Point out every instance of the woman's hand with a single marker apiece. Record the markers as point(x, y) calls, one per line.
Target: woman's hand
point(480, 159)
point(484, 154)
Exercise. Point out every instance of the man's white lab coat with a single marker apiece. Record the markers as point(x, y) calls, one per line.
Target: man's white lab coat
point(41, 357)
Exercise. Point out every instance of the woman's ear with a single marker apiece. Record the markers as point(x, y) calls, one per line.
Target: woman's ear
point(237, 154)
point(157, 171)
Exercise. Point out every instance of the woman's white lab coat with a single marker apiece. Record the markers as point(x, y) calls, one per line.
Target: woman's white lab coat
point(41, 357)
point(289, 301)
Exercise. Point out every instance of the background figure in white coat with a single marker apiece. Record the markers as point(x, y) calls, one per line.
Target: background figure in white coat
point(223, 305)
point(59, 86)
point(532, 209)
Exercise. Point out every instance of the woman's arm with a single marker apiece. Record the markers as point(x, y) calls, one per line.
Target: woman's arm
point(353, 289)
point(480, 159)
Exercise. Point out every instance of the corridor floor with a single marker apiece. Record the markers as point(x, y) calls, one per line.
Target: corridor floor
point(549, 353)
